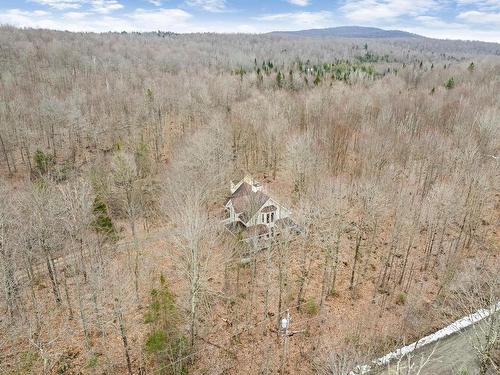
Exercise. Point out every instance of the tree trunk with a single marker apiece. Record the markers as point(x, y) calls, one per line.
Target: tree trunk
point(123, 334)
point(331, 288)
point(66, 292)
point(53, 277)
point(6, 156)
point(356, 255)
point(194, 294)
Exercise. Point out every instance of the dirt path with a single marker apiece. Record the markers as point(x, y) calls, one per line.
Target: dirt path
point(71, 258)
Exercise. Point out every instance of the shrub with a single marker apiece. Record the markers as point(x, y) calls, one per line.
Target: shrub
point(401, 299)
point(450, 83)
point(26, 362)
point(156, 341)
point(92, 361)
point(311, 307)
point(334, 293)
point(43, 162)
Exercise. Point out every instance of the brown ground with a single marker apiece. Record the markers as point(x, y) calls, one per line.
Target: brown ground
point(235, 336)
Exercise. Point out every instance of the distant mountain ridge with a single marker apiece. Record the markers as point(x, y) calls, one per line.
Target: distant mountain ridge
point(350, 32)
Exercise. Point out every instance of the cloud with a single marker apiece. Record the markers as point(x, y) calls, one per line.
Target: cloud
point(98, 6)
point(480, 4)
point(437, 23)
point(24, 18)
point(460, 33)
point(300, 3)
point(373, 10)
point(25, 13)
point(105, 6)
point(60, 4)
point(481, 18)
point(138, 20)
point(155, 2)
point(208, 5)
point(316, 19)
point(76, 15)
point(158, 19)
point(459, 28)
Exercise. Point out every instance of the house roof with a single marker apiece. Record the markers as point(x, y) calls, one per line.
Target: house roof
point(235, 227)
point(247, 232)
point(287, 223)
point(255, 230)
point(244, 189)
point(270, 208)
point(247, 202)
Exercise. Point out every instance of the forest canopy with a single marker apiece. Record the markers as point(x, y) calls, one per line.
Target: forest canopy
point(116, 153)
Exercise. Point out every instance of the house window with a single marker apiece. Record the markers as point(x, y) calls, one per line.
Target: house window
point(263, 219)
point(269, 218)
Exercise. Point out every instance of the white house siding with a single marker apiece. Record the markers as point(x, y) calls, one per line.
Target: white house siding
point(280, 213)
point(230, 207)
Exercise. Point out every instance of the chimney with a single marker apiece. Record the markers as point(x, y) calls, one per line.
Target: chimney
point(256, 186)
point(248, 179)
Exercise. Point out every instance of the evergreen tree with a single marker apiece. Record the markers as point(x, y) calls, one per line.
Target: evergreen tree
point(450, 83)
point(43, 162)
point(279, 79)
point(102, 222)
point(165, 343)
point(317, 80)
point(149, 95)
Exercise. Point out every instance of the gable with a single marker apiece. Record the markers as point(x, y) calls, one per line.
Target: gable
point(246, 202)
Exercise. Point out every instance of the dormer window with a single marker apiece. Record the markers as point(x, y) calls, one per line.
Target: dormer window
point(268, 214)
point(270, 217)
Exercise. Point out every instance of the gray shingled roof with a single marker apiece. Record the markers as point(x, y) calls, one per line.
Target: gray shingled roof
point(247, 202)
point(270, 208)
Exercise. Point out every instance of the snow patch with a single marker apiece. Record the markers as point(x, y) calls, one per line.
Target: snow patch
point(454, 327)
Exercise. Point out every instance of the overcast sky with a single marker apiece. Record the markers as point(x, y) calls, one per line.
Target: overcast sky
point(451, 19)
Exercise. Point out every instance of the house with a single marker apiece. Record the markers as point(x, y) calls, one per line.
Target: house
point(254, 215)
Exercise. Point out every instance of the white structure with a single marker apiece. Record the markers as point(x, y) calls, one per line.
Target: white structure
point(453, 328)
point(252, 214)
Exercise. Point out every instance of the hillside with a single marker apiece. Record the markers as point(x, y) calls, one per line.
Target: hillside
point(350, 32)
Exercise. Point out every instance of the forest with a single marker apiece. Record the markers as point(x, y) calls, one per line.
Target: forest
point(116, 155)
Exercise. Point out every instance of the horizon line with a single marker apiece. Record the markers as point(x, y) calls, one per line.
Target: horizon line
point(416, 36)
